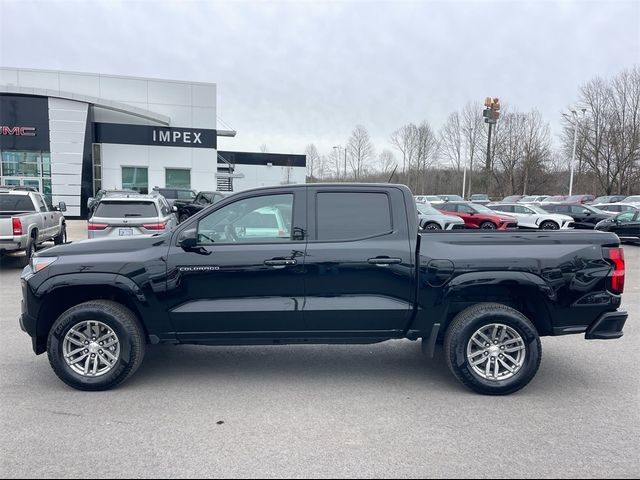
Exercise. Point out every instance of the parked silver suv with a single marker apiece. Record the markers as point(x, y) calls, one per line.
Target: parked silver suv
point(131, 214)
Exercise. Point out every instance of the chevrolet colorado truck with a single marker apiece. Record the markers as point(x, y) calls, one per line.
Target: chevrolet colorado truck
point(322, 264)
point(27, 219)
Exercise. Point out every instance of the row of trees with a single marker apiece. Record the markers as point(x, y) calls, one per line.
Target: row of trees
point(522, 159)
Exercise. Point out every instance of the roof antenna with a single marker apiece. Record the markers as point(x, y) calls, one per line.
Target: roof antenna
point(393, 173)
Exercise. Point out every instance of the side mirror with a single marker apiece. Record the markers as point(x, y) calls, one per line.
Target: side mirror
point(189, 239)
point(62, 206)
point(174, 208)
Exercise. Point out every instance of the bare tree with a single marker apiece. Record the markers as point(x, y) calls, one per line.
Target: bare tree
point(313, 159)
point(472, 126)
point(263, 148)
point(360, 150)
point(403, 140)
point(386, 162)
point(451, 141)
point(609, 135)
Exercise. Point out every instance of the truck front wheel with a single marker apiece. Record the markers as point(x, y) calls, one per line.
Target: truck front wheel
point(96, 345)
point(493, 349)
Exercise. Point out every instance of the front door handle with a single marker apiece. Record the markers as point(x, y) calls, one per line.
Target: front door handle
point(384, 261)
point(281, 262)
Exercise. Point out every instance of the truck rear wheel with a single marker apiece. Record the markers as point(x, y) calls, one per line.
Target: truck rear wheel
point(96, 345)
point(28, 253)
point(62, 237)
point(493, 349)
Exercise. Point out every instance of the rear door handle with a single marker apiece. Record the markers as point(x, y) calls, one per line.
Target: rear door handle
point(281, 262)
point(384, 261)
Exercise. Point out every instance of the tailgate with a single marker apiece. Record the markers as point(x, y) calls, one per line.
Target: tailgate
point(6, 227)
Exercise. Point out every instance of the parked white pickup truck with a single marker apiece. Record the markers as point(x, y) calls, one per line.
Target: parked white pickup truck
point(28, 219)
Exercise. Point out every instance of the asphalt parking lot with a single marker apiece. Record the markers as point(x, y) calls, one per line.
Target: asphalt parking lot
point(322, 411)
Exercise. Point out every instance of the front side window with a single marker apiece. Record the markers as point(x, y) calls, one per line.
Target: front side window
point(264, 219)
point(522, 210)
point(626, 217)
point(351, 215)
point(135, 178)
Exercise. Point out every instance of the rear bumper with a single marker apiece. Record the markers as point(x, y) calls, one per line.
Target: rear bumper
point(608, 327)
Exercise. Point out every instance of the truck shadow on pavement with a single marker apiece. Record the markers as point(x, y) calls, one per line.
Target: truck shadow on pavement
point(388, 363)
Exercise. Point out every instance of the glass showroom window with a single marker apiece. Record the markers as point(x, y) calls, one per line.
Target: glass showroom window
point(135, 178)
point(21, 164)
point(177, 178)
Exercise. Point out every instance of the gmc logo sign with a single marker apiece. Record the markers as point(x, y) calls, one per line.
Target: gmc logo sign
point(18, 131)
point(174, 136)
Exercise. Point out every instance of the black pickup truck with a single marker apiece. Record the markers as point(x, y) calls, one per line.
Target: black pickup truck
point(322, 264)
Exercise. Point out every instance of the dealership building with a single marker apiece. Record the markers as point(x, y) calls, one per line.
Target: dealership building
point(70, 134)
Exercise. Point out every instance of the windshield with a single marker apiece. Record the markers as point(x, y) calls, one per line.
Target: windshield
point(529, 199)
point(453, 198)
point(479, 197)
point(633, 199)
point(482, 209)
point(427, 210)
point(537, 209)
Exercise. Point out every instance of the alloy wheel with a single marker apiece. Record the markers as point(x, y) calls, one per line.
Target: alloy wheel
point(496, 352)
point(91, 348)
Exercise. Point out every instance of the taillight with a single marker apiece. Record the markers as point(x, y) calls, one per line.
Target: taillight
point(97, 226)
point(616, 257)
point(17, 226)
point(154, 226)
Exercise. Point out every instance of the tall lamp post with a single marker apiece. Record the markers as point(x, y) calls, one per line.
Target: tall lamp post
point(575, 144)
point(338, 148)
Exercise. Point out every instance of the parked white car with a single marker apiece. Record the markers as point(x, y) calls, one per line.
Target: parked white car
point(426, 198)
point(432, 219)
point(534, 217)
point(618, 207)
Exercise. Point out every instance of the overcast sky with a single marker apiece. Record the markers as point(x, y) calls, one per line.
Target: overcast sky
point(292, 73)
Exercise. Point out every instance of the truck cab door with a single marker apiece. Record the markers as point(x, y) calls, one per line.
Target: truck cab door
point(360, 267)
point(243, 275)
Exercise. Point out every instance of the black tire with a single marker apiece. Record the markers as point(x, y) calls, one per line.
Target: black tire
point(469, 321)
point(62, 237)
point(549, 225)
point(121, 320)
point(28, 253)
point(432, 226)
point(488, 226)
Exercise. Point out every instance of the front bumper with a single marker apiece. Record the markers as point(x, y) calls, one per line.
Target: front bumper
point(608, 327)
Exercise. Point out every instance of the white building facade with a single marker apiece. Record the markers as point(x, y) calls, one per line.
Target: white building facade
point(70, 134)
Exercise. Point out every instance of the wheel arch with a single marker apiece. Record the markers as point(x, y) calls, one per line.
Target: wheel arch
point(525, 292)
point(60, 298)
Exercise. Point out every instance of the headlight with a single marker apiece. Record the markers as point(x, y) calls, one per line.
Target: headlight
point(40, 263)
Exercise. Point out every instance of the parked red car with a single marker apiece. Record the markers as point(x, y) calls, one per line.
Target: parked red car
point(479, 216)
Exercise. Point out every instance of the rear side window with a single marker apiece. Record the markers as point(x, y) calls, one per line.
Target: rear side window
point(185, 195)
point(130, 209)
point(16, 203)
point(351, 215)
point(168, 193)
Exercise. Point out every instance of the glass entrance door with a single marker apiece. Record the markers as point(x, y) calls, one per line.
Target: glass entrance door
point(22, 182)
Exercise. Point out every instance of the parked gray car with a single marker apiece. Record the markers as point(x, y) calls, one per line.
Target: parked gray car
point(27, 219)
point(432, 219)
point(129, 215)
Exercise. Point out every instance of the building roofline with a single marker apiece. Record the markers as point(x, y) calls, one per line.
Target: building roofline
point(98, 102)
point(107, 75)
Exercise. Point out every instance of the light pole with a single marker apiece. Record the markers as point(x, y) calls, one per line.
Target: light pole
point(575, 144)
point(470, 131)
point(337, 148)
